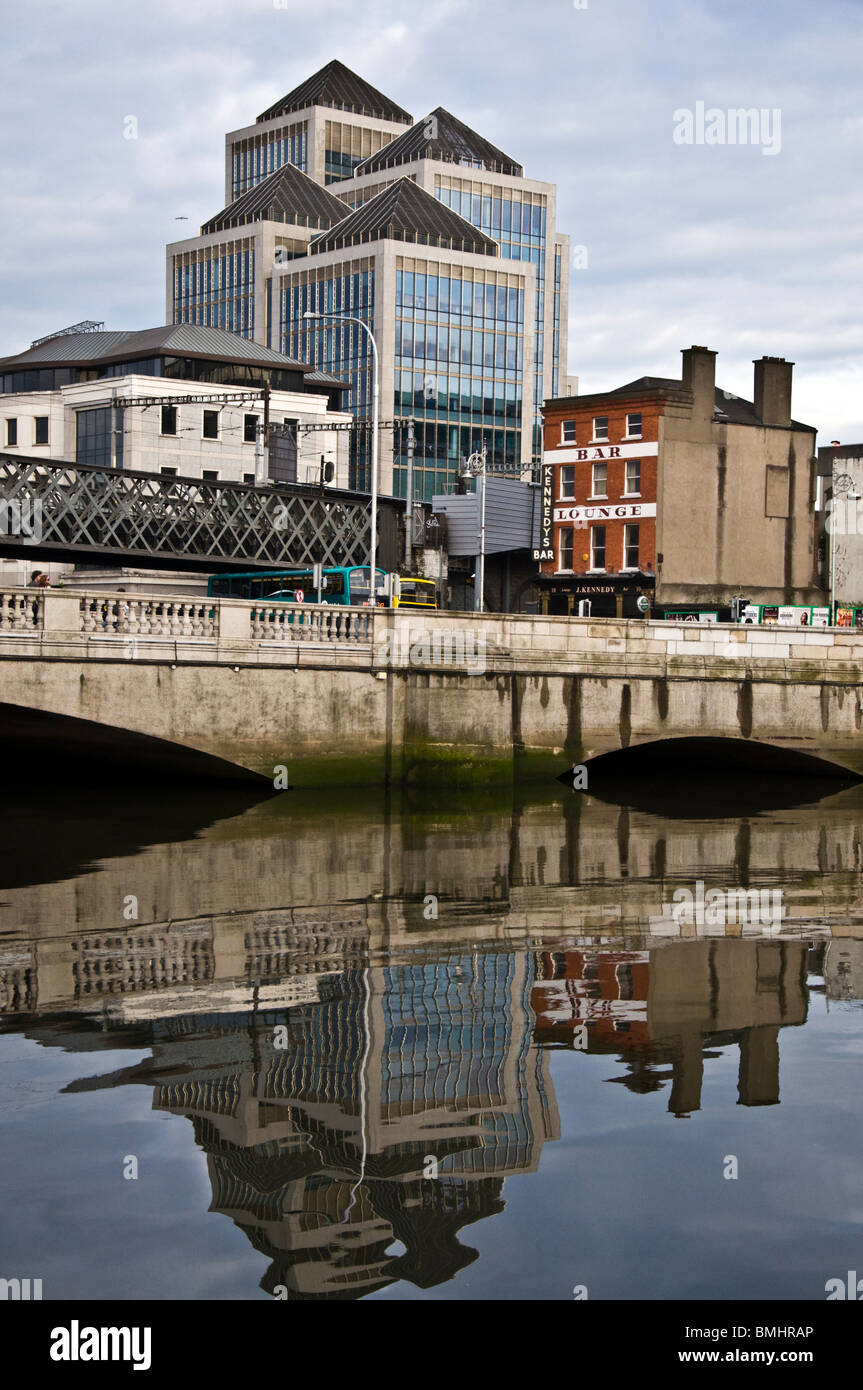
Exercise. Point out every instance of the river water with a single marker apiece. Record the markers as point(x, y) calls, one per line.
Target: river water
point(531, 1046)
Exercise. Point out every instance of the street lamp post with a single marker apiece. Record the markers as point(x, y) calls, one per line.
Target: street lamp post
point(376, 405)
point(475, 467)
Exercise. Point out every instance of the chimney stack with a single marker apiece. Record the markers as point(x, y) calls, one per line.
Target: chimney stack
point(699, 377)
point(772, 391)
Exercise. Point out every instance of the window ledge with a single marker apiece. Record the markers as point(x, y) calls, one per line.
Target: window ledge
point(598, 497)
point(630, 495)
point(632, 438)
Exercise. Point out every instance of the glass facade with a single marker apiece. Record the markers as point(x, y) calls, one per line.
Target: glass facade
point(346, 146)
point(96, 432)
point(256, 157)
point(215, 286)
point(517, 220)
point(340, 348)
point(555, 342)
point(459, 357)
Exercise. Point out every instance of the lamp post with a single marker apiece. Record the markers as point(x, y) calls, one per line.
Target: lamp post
point(376, 404)
point(841, 486)
point(475, 467)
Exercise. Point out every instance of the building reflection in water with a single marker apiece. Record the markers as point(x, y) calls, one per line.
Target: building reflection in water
point(358, 1114)
point(663, 1011)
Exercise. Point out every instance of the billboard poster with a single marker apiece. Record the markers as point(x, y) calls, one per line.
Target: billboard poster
point(820, 617)
point(794, 615)
point(770, 613)
point(844, 617)
point(687, 615)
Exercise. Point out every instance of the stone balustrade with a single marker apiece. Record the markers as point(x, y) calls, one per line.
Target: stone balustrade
point(60, 620)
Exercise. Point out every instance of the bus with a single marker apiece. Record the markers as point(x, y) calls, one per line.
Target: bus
point(411, 592)
point(341, 584)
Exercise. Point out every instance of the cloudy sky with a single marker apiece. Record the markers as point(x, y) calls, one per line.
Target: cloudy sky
point(719, 244)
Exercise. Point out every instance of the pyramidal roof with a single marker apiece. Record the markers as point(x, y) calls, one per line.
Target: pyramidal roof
point(442, 136)
point(405, 212)
point(288, 195)
point(336, 86)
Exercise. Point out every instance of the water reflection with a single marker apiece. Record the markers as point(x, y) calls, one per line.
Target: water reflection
point(368, 1035)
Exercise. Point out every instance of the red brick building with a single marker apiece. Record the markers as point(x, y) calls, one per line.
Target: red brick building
point(673, 489)
point(600, 452)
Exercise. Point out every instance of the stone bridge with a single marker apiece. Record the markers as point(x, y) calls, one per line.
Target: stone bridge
point(96, 683)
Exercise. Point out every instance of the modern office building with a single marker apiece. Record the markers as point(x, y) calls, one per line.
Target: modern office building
point(429, 234)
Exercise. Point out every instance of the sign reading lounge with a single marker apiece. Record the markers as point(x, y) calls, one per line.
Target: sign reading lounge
point(615, 511)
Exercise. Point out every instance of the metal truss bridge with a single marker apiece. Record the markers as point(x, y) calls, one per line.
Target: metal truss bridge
point(90, 514)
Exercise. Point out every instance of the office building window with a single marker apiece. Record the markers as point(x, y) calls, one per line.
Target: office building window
point(250, 429)
point(633, 477)
point(568, 434)
point(567, 534)
point(211, 424)
point(210, 475)
point(633, 424)
point(40, 435)
point(600, 427)
point(248, 477)
point(600, 480)
point(630, 547)
point(11, 432)
point(597, 547)
point(168, 472)
point(99, 436)
point(169, 419)
point(567, 482)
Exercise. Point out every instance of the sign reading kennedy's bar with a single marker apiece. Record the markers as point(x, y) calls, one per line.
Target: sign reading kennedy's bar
point(614, 511)
point(546, 538)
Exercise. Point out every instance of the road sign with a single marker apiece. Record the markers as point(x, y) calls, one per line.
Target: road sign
point(300, 595)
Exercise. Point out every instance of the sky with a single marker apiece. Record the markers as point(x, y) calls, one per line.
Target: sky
point(749, 249)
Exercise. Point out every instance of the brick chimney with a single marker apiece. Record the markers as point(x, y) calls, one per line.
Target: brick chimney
point(772, 390)
point(699, 377)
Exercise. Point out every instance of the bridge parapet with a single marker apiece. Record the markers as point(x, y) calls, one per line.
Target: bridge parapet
point(73, 623)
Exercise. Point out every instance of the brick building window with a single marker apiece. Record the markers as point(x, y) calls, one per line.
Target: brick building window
point(633, 478)
point(567, 534)
point(567, 482)
point(630, 547)
point(600, 429)
point(599, 485)
point(597, 547)
point(568, 432)
point(633, 425)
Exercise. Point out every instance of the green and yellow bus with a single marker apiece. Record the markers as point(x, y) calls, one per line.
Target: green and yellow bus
point(414, 593)
point(341, 584)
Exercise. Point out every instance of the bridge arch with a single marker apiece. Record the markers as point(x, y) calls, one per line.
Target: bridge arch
point(718, 755)
point(41, 744)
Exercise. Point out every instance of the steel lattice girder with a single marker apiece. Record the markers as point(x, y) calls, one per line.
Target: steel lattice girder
point(147, 514)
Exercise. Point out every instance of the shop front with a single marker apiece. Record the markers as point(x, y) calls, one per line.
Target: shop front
point(608, 595)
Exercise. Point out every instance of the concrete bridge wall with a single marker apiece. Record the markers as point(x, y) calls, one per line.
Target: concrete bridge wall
point(348, 697)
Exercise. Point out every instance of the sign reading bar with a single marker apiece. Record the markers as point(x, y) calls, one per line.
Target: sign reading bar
point(546, 518)
point(614, 511)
